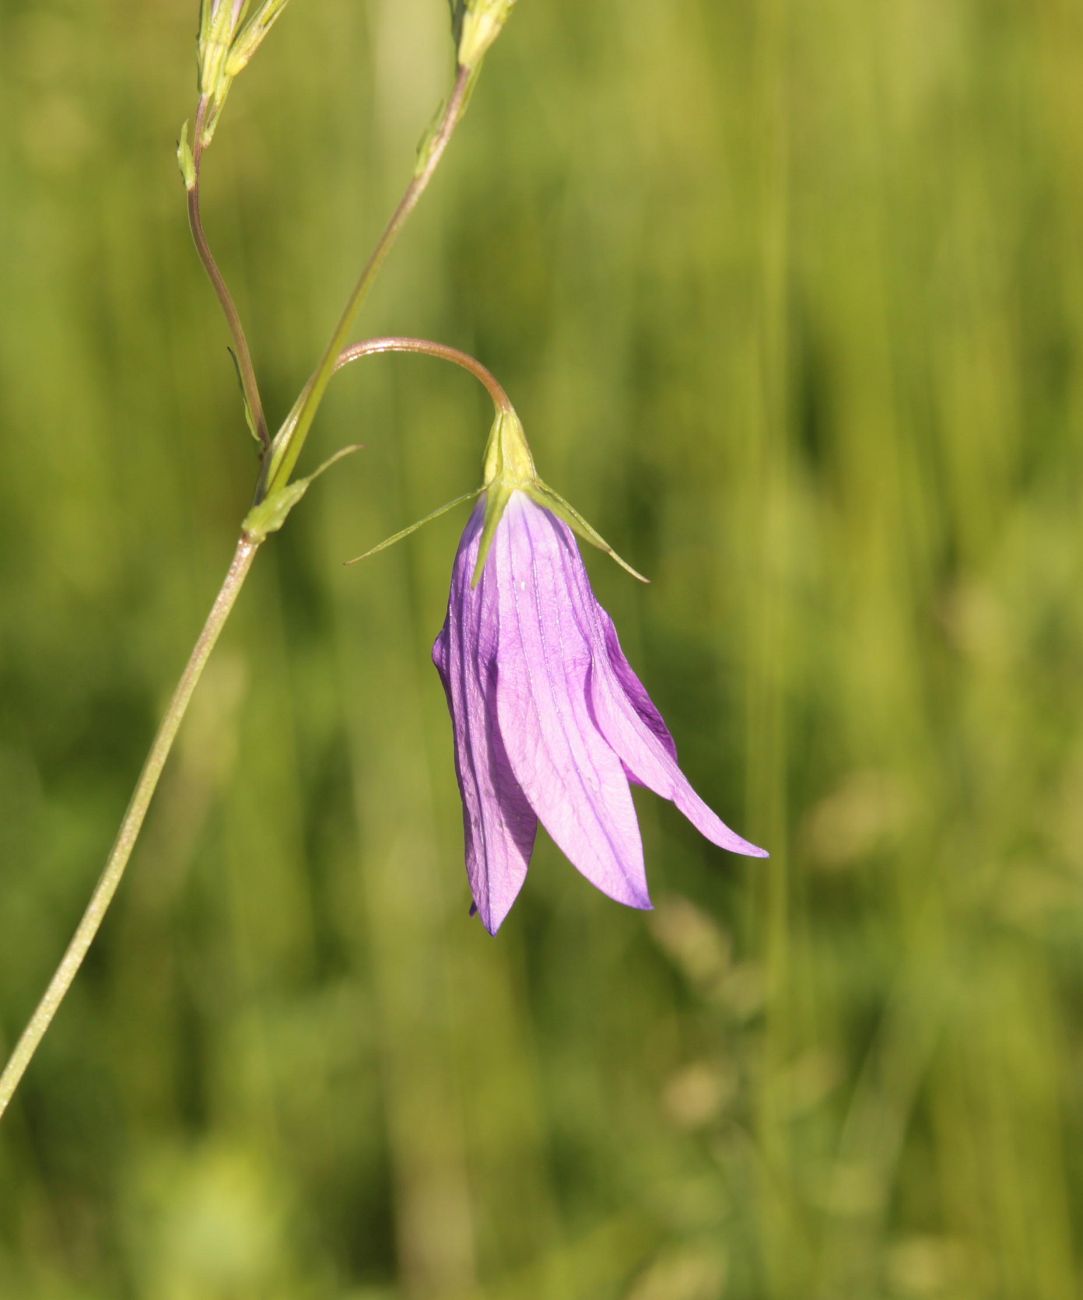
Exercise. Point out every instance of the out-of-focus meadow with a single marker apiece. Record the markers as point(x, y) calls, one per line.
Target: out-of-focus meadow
point(790, 298)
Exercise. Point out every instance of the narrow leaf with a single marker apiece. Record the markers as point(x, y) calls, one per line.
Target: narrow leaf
point(249, 418)
point(405, 532)
point(185, 160)
point(272, 512)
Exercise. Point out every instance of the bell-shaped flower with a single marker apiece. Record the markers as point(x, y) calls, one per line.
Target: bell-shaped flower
point(550, 721)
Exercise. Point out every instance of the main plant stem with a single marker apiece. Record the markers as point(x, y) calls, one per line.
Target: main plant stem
point(129, 828)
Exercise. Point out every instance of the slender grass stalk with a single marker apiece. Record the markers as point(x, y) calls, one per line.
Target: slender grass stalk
point(131, 825)
point(243, 354)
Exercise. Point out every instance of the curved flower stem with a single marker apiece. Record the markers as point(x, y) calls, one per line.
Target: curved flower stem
point(130, 827)
point(284, 458)
point(403, 343)
point(428, 348)
point(245, 367)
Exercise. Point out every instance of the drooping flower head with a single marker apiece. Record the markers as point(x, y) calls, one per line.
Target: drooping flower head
point(550, 722)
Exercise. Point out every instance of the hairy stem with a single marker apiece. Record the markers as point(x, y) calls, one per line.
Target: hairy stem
point(245, 367)
point(130, 827)
point(284, 459)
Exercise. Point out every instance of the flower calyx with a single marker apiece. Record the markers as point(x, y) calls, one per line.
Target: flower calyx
point(509, 468)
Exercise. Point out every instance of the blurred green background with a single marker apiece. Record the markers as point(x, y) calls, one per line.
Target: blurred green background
point(790, 298)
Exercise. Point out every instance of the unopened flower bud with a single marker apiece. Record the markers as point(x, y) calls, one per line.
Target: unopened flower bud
point(251, 35)
point(476, 24)
point(219, 20)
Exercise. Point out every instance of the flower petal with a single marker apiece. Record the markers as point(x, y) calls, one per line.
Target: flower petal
point(571, 776)
point(498, 823)
point(643, 753)
point(628, 719)
point(631, 685)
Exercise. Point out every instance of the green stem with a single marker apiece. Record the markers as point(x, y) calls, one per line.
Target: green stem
point(130, 827)
point(245, 366)
point(284, 459)
point(429, 348)
point(276, 474)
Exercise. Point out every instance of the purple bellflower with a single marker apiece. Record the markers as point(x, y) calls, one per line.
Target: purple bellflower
point(550, 721)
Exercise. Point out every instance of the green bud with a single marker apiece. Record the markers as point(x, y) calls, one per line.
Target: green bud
point(218, 23)
point(251, 35)
point(475, 24)
point(229, 35)
point(219, 20)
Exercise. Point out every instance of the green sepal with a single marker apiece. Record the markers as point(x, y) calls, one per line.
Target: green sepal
point(507, 454)
point(271, 513)
point(185, 160)
point(509, 467)
point(496, 502)
point(544, 495)
point(412, 528)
